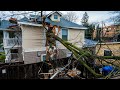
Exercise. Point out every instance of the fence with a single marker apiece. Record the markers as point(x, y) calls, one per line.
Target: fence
point(26, 71)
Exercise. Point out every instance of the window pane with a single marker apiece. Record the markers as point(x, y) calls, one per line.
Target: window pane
point(44, 57)
point(64, 37)
point(65, 34)
point(107, 53)
point(55, 16)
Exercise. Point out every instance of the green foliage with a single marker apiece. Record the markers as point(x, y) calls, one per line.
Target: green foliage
point(84, 20)
point(2, 57)
point(91, 27)
point(89, 31)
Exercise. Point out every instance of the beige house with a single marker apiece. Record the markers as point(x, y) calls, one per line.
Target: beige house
point(33, 37)
point(108, 49)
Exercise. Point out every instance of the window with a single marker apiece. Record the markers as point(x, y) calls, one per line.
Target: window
point(107, 52)
point(14, 53)
point(11, 34)
point(65, 34)
point(43, 57)
point(55, 16)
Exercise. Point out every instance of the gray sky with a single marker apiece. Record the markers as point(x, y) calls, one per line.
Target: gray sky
point(94, 16)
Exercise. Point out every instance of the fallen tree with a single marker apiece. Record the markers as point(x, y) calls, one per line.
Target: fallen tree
point(78, 53)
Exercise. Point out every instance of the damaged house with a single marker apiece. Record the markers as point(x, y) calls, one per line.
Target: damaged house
point(29, 41)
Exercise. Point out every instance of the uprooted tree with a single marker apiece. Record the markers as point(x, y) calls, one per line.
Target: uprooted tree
point(83, 56)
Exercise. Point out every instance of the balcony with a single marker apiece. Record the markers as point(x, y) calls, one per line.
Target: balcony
point(11, 42)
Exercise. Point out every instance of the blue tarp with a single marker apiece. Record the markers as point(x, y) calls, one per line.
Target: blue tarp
point(107, 69)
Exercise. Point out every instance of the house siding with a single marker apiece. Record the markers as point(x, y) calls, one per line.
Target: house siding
point(31, 57)
point(75, 37)
point(32, 38)
point(114, 47)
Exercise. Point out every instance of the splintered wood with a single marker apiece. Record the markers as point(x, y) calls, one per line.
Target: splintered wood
point(73, 72)
point(51, 49)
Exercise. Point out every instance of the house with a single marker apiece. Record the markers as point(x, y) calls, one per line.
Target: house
point(11, 43)
point(33, 37)
point(109, 33)
point(103, 49)
point(31, 47)
point(108, 49)
point(90, 45)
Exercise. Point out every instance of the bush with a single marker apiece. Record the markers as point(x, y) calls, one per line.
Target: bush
point(2, 57)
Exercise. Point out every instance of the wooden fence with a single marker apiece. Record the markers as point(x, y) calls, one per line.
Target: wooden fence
point(27, 71)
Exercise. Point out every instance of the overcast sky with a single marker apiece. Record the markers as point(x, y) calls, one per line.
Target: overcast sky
point(94, 16)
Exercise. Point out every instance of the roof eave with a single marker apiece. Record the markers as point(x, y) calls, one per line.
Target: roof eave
point(30, 24)
point(54, 12)
point(3, 29)
point(76, 27)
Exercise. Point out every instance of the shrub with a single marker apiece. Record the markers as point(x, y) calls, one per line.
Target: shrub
point(2, 57)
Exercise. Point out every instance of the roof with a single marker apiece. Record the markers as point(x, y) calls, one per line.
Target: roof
point(5, 23)
point(63, 23)
point(90, 43)
point(24, 19)
point(54, 12)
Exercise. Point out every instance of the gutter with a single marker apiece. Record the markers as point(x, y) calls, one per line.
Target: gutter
point(76, 27)
point(30, 24)
point(2, 29)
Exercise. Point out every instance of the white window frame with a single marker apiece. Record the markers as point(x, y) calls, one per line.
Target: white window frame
point(42, 56)
point(68, 33)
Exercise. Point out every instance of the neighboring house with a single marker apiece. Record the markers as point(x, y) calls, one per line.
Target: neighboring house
point(90, 45)
point(108, 49)
point(109, 33)
point(34, 38)
point(11, 41)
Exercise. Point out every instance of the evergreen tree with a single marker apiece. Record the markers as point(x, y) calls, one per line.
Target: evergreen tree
point(84, 19)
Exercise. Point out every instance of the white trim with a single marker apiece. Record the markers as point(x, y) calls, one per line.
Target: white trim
point(53, 13)
point(76, 27)
point(2, 29)
point(35, 49)
point(31, 24)
point(109, 43)
point(68, 35)
point(42, 56)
